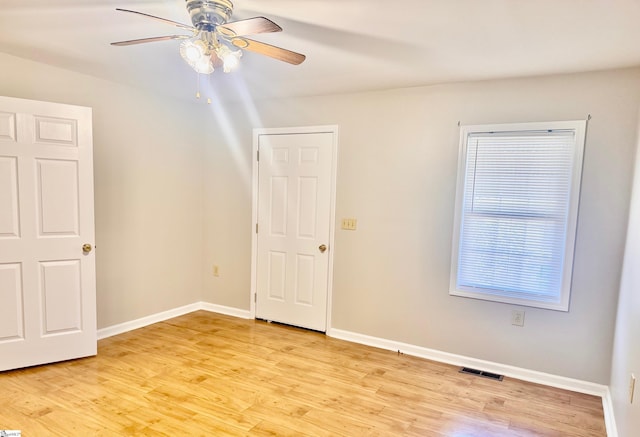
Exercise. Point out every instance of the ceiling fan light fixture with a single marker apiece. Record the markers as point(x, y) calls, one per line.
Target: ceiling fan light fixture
point(230, 58)
point(192, 50)
point(195, 52)
point(203, 65)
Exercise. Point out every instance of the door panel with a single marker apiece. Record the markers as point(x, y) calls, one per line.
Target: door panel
point(58, 197)
point(277, 275)
point(9, 197)
point(278, 208)
point(307, 207)
point(11, 315)
point(56, 131)
point(305, 275)
point(47, 282)
point(7, 126)
point(61, 295)
point(294, 221)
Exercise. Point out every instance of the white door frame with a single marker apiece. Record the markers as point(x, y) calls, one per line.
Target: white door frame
point(333, 129)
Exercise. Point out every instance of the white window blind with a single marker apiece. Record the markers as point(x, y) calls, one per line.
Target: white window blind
point(516, 213)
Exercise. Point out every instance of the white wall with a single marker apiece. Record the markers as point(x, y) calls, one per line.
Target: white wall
point(626, 352)
point(397, 164)
point(148, 188)
point(397, 173)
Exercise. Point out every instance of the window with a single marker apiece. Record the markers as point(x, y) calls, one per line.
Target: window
point(516, 212)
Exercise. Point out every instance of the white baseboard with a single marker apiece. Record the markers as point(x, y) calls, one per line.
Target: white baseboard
point(121, 328)
point(170, 314)
point(228, 311)
point(609, 418)
point(460, 360)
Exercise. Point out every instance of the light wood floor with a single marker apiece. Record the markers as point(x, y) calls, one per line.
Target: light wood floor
point(213, 375)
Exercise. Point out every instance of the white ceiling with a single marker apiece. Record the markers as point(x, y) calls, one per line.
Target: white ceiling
point(351, 45)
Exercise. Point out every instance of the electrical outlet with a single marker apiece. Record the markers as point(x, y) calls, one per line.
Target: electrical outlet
point(349, 224)
point(632, 388)
point(517, 318)
point(216, 270)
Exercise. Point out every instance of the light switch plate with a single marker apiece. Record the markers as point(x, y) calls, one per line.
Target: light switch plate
point(349, 224)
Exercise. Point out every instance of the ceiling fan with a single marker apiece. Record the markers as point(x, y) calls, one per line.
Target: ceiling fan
point(213, 36)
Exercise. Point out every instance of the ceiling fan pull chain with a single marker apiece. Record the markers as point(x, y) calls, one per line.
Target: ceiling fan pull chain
point(197, 85)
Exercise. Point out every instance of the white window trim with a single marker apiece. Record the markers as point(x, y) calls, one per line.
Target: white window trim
point(562, 304)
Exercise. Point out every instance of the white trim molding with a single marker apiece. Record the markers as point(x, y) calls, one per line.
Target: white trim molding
point(227, 311)
point(461, 360)
point(609, 417)
point(121, 328)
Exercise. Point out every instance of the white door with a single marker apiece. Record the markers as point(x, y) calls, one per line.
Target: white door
point(47, 281)
point(295, 216)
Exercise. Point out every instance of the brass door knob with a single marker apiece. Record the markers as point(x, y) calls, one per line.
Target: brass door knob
point(86, 248)
point(322, 248)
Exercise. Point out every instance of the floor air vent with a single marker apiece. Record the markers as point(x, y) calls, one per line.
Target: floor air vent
point(482, 373)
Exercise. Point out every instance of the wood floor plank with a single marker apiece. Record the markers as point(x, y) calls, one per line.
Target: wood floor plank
point(208, 374)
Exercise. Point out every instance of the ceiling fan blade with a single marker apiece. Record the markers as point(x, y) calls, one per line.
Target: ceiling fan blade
point(269, 50)
point(164, 20)
point(250, 26)
point(152, 39)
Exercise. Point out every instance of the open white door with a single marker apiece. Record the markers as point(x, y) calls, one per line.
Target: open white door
point(47, 277)
point(296, 173)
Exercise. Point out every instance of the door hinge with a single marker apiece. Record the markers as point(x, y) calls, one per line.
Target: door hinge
point(257, 155)
point(256, 228)
point(255, 298)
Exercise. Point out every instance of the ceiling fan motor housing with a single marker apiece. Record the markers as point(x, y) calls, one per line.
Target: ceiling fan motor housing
point(207, 14)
